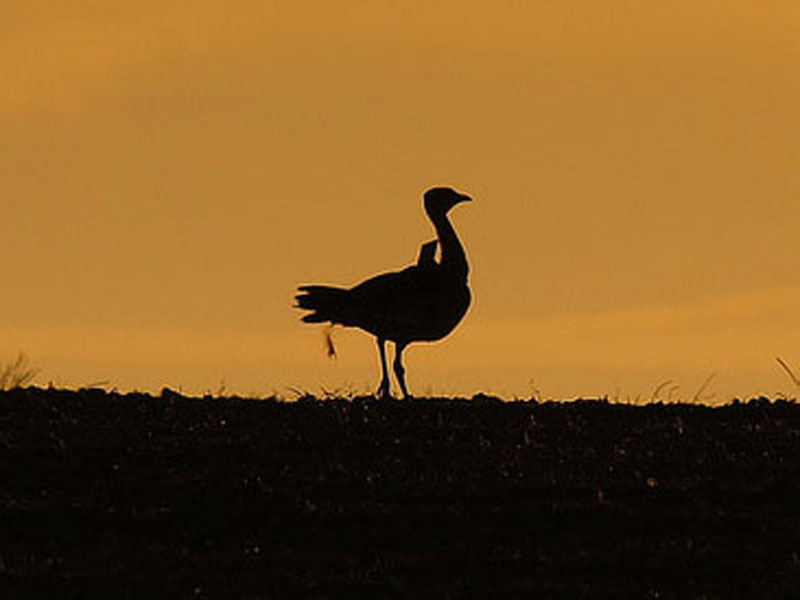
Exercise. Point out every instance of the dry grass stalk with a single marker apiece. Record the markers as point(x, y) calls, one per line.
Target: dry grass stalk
point(16, 373)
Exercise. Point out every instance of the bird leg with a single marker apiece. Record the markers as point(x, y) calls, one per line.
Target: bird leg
point(383, 388)
point(399, 370)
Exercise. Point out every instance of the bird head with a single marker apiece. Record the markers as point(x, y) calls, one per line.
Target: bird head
point(440, 200)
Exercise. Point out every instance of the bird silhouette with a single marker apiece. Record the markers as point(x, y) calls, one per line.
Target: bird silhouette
point(423, 302)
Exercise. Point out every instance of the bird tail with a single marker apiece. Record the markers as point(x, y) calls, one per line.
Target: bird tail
point(327, 303)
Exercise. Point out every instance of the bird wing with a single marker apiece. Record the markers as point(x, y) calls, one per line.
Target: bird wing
point(412, 304)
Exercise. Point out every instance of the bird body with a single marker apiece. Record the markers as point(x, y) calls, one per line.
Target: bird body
point(419, 303)
point(423, 302)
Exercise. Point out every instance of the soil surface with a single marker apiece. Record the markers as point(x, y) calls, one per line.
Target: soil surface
point(135, 496)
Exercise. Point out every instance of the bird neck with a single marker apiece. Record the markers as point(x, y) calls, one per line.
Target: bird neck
point(453, 256)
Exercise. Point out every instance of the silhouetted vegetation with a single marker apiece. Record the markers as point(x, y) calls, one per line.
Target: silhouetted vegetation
point(789, 372)
point(132, 496)
point(16, 373)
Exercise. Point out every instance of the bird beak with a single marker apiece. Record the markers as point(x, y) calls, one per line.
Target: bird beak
point(464, 198)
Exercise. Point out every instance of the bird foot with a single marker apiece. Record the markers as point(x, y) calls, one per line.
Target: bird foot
point(383, 393)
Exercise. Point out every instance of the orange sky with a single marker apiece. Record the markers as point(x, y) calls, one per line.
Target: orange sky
point(171, 176)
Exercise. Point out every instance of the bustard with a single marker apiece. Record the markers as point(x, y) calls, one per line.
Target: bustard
point(423, 302)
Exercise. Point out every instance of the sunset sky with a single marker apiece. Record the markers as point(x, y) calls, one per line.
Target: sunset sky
point(171, 174)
